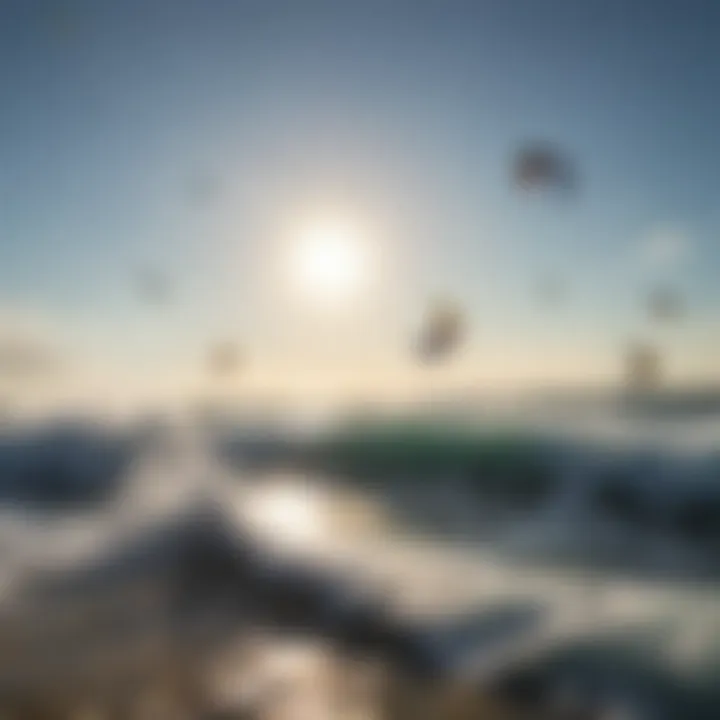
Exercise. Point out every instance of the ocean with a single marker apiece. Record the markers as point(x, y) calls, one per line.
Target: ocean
point(602, 523)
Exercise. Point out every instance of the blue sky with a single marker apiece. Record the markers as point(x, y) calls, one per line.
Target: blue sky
point(402, 114)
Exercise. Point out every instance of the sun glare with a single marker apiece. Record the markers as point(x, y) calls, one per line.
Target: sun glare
point(329, 262)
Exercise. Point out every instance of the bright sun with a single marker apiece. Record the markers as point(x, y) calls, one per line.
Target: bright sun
point(329, 263)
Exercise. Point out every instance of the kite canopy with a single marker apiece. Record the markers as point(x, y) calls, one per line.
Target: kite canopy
point(665, 304)
point(551, 290)
point(643, 367)
point(224, 359)
point(152, 286)
point(27, 359)
point(441, 331)
point(203, 188)
point(541, 167)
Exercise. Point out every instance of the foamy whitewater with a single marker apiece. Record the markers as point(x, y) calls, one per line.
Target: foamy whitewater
point(436, 548)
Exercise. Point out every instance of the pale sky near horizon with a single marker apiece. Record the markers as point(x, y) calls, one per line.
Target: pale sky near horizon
point(193, 137)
